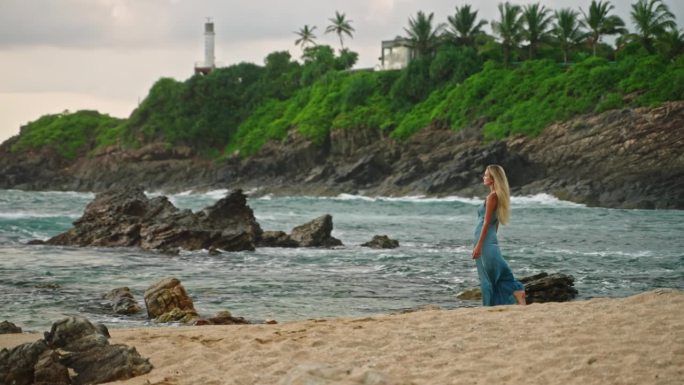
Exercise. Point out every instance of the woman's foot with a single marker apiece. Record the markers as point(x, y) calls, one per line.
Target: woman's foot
point(520, 297)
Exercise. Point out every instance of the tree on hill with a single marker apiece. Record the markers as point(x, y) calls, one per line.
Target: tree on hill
point(509, 28)
point(671, 43)
point(599, 22)
point(463, 27)
point(536, 21)
point(567, 30)
point(341, 26)
point(306, 36)
point(423, 36)
point(652, 19)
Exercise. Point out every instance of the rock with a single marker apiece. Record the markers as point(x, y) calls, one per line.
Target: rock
point(225, 318)
point(50, 371)
point(472, 294)
point(126, 217)
point(545, 287)
point(167, 301)
point(7, 327)
point(35, 242)
point(106, 363)
point(17, 365)
point(122, 301)
point(85, 348)
point(276, 239)
point(316, 233)
point(381, 242)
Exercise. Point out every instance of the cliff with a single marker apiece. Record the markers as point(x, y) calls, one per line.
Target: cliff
point(628, 158)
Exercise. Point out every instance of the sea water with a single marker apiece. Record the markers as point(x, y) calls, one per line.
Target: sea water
point(610, 252)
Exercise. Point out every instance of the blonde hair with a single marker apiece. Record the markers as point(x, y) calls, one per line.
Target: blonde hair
point(503, 206)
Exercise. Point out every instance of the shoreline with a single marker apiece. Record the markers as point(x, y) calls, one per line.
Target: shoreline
point(632, 340)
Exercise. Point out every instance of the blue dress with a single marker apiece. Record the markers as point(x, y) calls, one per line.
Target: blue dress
point(496, 279)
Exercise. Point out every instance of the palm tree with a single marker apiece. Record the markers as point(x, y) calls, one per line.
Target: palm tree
point(306, 36)
point(652, 19)
point(671, 43)
point(422, 35)
point(340, 25)
point(509, 28)
point(600, 23)
point(462, 26)
point(537, 22)
point(567, 30)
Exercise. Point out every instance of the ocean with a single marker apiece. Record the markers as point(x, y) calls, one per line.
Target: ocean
point(610, 252)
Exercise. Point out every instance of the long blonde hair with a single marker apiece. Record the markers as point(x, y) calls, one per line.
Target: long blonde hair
point(503, 207)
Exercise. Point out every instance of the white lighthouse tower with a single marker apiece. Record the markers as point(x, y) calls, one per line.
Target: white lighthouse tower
point(209, 63)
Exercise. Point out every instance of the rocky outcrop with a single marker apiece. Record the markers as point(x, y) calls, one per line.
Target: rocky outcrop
point(122, 301)
point(276, 239)
point(126, 217)
point(627, 158)
point(167, 301)
point(381, 242)
point(221, 318)
point(316, 233)
point(546, 287)
point(7, 327)
point(71, 344)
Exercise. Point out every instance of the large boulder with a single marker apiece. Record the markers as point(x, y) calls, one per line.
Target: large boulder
point(381, 242)
point(122, 301)
point(167, 301)
point(126, 217)
point(84, 348)
point(7, 327)
point(316, 233)
point(74, 344)
point(546, 287)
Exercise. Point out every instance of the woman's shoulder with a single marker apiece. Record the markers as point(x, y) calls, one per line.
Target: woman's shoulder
point(492, 196)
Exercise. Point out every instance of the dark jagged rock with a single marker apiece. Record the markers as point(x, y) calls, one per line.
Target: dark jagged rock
point(276, 239)
point(17, 365)
point(316, 233)
point(222, 318)
point(122, 301)
point(167, 301)
point(545, 287)
point(126, 217)
point(381, 242)
point(7, 327)
point(72, 343)
point(50, 371)
point(85, 348)
point(76, 334)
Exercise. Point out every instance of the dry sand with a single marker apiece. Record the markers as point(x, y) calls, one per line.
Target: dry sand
point(634, 340)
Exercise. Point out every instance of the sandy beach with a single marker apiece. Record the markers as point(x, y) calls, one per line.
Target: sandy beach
point(634, 340)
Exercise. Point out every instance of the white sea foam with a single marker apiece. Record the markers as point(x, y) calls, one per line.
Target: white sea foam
point(33, 214)
point(543, 199)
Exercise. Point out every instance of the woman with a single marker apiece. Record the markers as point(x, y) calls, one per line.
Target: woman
point(496, 279)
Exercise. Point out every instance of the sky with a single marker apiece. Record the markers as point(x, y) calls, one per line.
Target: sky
point(104, 55)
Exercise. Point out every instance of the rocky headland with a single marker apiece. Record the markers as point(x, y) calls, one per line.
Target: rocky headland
point(628, 158)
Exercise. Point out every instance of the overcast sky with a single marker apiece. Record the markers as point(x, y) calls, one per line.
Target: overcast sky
point(106, 54)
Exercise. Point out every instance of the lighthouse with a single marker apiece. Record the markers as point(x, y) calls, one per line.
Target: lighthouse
point(208, 64)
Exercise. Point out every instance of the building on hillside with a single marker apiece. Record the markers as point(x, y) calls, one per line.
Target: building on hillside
point(205, 67)
point(396, 54)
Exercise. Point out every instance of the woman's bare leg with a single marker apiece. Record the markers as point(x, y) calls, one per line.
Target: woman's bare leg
point(520, 297)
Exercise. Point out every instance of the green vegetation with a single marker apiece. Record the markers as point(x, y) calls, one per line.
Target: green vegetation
point(542, 66)
point(69, 134)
